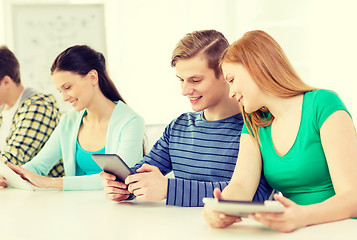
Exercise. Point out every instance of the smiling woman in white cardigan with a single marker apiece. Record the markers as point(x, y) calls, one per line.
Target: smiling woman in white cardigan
point(100, 123)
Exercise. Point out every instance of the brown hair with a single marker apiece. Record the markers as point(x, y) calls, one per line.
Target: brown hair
point(209, 42)
point(81, 59)
point(9, 66)
point(271, 70)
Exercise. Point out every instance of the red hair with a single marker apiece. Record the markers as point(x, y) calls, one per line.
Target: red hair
point(269, 67)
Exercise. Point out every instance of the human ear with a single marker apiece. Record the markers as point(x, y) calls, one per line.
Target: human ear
point(6, 81)
point(93, 76)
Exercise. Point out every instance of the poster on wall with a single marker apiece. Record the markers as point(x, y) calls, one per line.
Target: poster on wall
point(41, 31)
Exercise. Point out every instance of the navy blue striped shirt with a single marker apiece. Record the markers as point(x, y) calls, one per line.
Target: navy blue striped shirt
point(202, 154)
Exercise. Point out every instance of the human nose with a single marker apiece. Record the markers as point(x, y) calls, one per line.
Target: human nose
point(65, 97)
point(186, 88)
point(232, 93)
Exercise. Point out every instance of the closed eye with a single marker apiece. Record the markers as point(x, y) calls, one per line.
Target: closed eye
point(230, 81)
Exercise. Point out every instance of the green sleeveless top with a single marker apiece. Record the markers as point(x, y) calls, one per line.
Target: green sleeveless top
point(302, 174)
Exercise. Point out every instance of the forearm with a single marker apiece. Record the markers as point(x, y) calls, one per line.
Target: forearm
point(238, 192)
point(55, 183)
point(341, 206)
point(189, 193)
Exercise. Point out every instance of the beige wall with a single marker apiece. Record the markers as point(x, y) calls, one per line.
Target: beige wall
point(318, 36)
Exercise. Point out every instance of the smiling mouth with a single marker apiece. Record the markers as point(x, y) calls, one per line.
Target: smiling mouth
point(74, 102)
point(194, 99)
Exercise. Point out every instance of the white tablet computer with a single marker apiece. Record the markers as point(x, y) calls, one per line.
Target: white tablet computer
point(243, 208)
point(14, 180)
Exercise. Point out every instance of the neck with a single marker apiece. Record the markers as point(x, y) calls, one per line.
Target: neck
point(280, 108)
point(100, 109)
point(14, 94)
point(226, 108)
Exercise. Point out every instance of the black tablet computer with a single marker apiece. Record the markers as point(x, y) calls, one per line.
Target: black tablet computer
point(113, 164)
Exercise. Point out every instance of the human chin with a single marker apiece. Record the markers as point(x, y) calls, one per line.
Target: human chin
point(249, 108)
point(197, 107)
point(77, 107)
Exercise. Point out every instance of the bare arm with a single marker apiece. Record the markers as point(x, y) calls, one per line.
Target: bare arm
point(36, 179)
point(247, 172)
point(338, 137)
point(243, 184)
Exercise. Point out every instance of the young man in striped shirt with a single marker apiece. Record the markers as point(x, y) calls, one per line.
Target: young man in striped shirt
point(200, 147)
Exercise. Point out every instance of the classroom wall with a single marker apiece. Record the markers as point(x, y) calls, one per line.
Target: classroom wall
point(318, 36)
point(333, 27)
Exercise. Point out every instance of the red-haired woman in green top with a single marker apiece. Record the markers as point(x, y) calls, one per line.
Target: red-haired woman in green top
point(303, 138)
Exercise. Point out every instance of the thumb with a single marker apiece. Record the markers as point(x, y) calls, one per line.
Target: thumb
point(19, 170)
point(285, 201)
point(217, 193)
point(147, 168)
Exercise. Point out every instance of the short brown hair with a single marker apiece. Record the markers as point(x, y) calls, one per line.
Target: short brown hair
point(9, 66)
point(210, 42)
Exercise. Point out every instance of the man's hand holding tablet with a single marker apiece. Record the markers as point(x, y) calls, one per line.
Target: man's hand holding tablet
point(115, 171)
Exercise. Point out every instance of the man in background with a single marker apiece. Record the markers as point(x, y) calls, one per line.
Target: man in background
point(27, 117)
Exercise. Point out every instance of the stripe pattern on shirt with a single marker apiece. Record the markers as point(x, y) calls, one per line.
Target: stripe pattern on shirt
point(202, 154)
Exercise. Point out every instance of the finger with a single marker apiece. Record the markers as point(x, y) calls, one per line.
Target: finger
point(134, 178)
point(285, 201)
point(110, 183)
point(277, 225)
point(217, 193)
point(146, 168)
point(139, 193)
point(107, 176)
point(278, 217)
point(215, 221)
point(257, 217)
point(14, 167)
point(18, 170)
point(141, 197)
point(116, 197)
point(114, 190)
point(134, 186)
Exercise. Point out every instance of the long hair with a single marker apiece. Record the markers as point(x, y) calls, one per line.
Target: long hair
point(209, 42)
point(270, 69)
point(81, 59)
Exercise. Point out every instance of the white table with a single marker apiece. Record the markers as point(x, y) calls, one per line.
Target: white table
point(88, 215)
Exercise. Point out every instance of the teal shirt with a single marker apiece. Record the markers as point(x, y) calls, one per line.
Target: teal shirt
point(302, 174)
point(85, 162)
point(125, 135)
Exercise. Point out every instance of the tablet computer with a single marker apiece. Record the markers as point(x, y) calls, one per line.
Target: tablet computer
point(243, 208)
point(113, 164)
point(14, 180)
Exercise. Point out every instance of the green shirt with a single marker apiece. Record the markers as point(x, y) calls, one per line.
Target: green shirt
point(302, 174)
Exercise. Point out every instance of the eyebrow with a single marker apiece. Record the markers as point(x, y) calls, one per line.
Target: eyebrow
point(193, 76)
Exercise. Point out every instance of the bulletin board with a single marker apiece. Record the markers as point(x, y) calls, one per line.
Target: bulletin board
point(41, 31)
